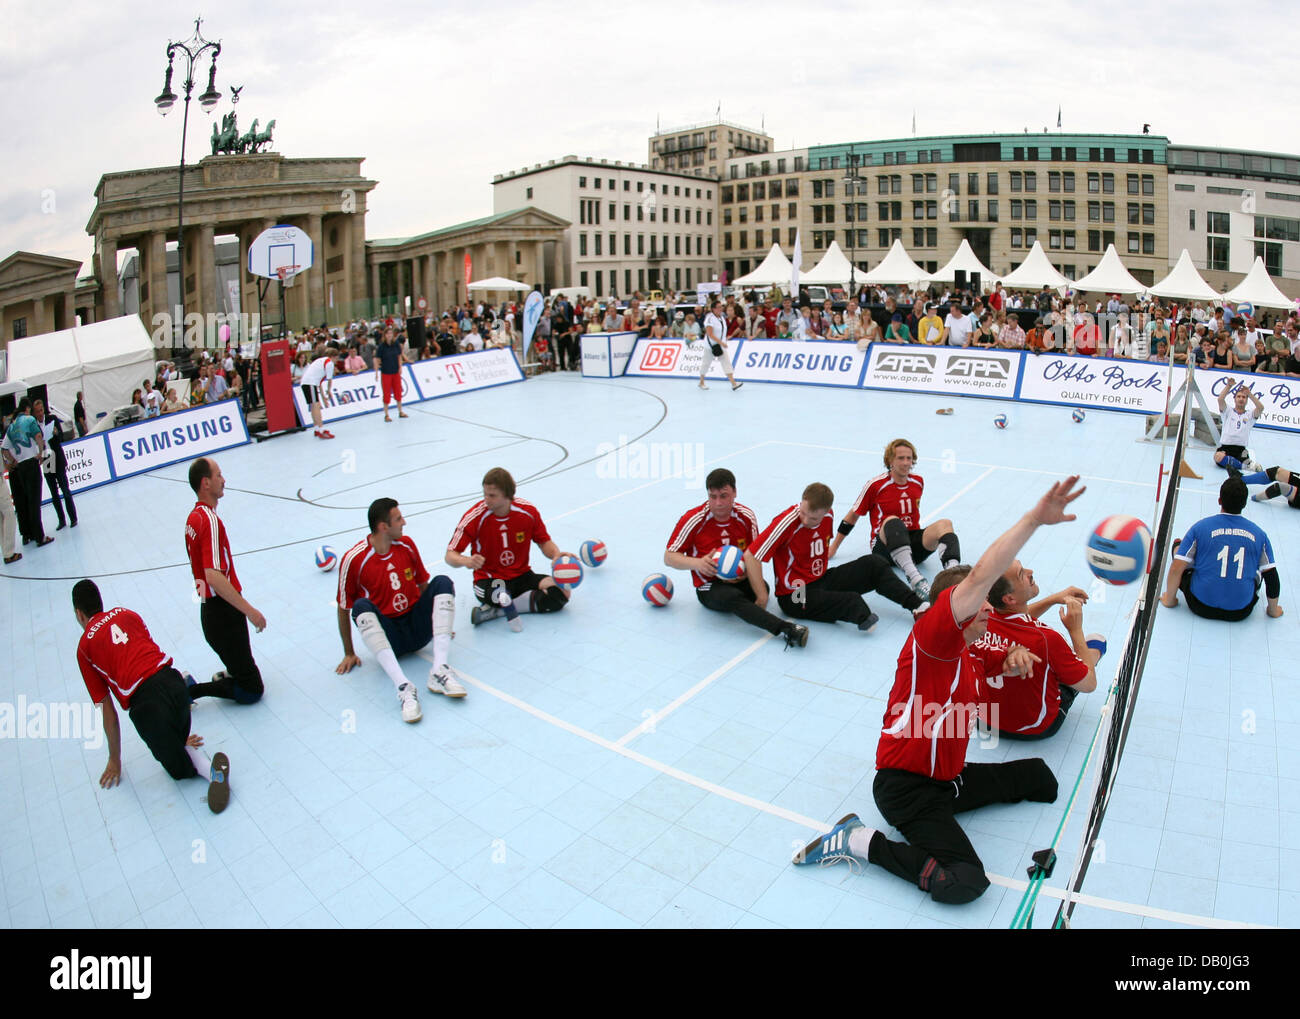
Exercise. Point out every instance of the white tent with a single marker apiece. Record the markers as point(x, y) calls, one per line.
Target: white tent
point(1185, 283)
point(775, 270)
point(1035, 272)
point(497, 283)
point(833, 268)
point(963, 259)
point(1258, 289)
point(1110, 277)
point(106, 360)
point(896, 267)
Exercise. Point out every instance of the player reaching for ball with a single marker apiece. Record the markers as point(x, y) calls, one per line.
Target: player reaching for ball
point(1237, 423)
point(496, 532)
point(893, 502)
point(117, 655)
point(317, 386)
point(385, 589)
point(703, 530)
point(795, 542)
point(922, 778)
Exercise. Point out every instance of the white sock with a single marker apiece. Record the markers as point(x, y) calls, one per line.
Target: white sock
point(903, 559)
point(444, 613)
point(388, 662)
point(202, 763)
point(372, 633)
point(860, 841)
point(524, 602)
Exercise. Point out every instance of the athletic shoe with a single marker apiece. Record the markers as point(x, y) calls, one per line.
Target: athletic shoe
point(921, 588)
point(1254, 465)
point(1233, 472)
point(869, 624)
point(796, 635)
point(482, 613)
point(220, 676)
point(326, 434)
point(920, 610)
point(410, 703)
point(703, 386)
point(444, 681)
point(737, 386)
point(833, 847)
point(219, 783)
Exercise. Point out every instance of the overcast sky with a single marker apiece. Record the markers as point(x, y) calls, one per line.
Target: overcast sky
point(440, 97)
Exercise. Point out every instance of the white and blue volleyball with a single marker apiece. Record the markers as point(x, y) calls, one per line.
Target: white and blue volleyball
point(1118, 549)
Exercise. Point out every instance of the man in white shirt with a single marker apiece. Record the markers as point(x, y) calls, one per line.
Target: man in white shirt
point(957, 326)
point(152, 400)
point(317, 375)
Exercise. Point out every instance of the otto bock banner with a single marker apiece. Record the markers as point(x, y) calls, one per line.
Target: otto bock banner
point(1279, 394)
point(956, 370)
point(463, 373)
point(351, 395)
point(814, 363)
point(1137, 386)
point(184, 435)
point(677, 359)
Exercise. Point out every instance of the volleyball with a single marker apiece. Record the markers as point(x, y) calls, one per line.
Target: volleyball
point(326, 558)
point(566, 571)
point(1118, 549)
point(1077, 415)
point(592, 553)
point(657, 589)
point(728, 560)
point(1000, 421)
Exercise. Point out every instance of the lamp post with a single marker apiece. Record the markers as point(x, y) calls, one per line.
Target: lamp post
point(192, 49)
point(851, 179)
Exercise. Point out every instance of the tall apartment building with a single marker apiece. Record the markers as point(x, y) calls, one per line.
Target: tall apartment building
point(703, 149)
point(633, 227)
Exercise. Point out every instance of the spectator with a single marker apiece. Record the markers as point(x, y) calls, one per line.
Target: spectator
point(79, 414)
point(1011, 336)
point(613, 321)
point(54, 464)
point(171, 402)
point(151, 400)
point(217, 387)
point(930, 329)
point(1242, 353)
point(1161, 354)
point(982, 335)
point(956, 327)
point(691, 331)
point(837, 330)
point(353, 364)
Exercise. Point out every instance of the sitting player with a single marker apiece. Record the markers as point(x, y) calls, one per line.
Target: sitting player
point(1034, 706)
point(1284, 483)
point(703, 530)
point(795, 543)
point(922, 778)
point(117, 654)
point(397, 608)
point(497, 532)
point(1237, 423)
point(893, 501)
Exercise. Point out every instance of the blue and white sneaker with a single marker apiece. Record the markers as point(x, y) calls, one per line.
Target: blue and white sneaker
point(219, 783)
point(833, 847)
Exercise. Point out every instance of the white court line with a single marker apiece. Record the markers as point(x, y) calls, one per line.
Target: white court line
point(1134, 909)
point(933, 514)
point(652, 720)
point(650, 484)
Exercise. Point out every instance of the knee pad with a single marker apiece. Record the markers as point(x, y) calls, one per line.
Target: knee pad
point(444, 612)
point(550, 599)
point(247, 694)
point(442, 584)
point(372, 633)
point(954, 883)
point(894, 534)
point(950, 547)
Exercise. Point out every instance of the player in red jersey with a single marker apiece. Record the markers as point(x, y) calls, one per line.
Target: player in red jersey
point(117, 655)
point(893, 502)
point(796, 542)
point(497, 532)
point(397, 608)
point(702, 531)
point(1034, 706)
point(225, 613)
point(922, 778)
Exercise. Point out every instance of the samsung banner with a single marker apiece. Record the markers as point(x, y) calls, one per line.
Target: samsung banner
point(669, 358)
point(184, 435)
point(961, 371)
point(814, 363)
point(351, 395)
point(480, 369)
point(605, 355)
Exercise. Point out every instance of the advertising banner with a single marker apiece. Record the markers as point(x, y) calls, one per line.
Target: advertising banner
point(463, 373)
point(88, 464)
point(956, 370)
point(1095, 382)
point(814, 363)
point(351, 395)
point(670, 358)
point(184, 435)
point(605, 355)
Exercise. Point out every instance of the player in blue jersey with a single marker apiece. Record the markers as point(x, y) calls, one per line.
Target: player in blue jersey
point(1219, 563)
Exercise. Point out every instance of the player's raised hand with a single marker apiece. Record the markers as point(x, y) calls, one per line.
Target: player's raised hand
point(1051, 507)
point(1072, 614)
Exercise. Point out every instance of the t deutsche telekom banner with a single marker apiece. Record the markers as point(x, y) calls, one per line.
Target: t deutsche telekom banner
point(463, 373)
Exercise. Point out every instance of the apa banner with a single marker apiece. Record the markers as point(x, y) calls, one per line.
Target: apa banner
point(961, 371)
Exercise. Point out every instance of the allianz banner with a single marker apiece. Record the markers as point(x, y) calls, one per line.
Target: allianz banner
point(1101, 382)
point(677, 359)
point(351, 395)
point(605, 355)
point(172, 438)
point(958, 370)
point(811, 363)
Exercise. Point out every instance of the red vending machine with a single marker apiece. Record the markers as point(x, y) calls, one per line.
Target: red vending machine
point(277, 385)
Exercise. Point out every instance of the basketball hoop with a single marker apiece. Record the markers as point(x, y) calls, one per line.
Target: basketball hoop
point(286, 273)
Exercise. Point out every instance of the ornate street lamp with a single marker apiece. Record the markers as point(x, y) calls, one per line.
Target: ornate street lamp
point(851, 179)
point(192, 49)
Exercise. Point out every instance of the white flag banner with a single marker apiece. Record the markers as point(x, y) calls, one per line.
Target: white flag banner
point(794, 266)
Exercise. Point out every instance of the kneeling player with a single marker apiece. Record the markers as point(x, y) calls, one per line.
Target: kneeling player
point(1232, 454)
point(117, 654)
point(497, 532)
point(795, 543)
point(397, 608)
point(1034, 706)
point(1284, 483)
point(893, 501)
point(922, 778)
point(704, 529)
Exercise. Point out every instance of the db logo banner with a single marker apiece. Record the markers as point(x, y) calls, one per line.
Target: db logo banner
point(660, 357)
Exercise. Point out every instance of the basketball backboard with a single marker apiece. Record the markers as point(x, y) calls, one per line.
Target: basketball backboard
point(280, 248)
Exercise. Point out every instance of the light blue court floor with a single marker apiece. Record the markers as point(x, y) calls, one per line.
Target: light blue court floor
point(617, 765)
